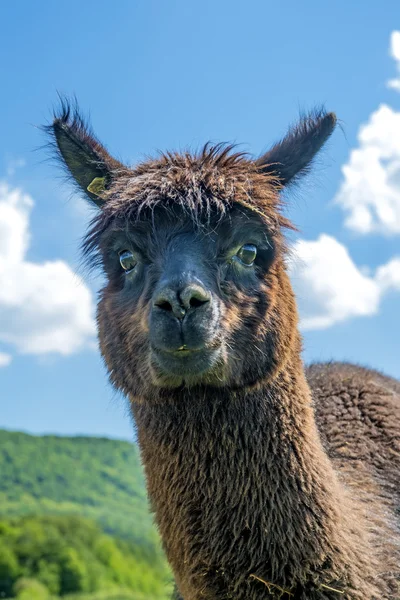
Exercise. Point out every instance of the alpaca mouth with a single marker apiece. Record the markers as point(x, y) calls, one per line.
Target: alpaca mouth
point(186, 363)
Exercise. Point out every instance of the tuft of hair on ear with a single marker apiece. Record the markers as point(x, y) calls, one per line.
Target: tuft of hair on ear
point(293, 156)
point(85, 159)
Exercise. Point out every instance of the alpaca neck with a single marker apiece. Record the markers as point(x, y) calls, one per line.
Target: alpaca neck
point(244, 494)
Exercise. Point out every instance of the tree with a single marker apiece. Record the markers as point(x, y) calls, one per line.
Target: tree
point(9, 570)
point(30, 589)
point(74, 574)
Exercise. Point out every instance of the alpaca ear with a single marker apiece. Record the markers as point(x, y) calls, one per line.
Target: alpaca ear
point(87, 161)
point(292, 157)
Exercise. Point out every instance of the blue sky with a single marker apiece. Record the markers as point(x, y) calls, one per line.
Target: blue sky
point(156, 75)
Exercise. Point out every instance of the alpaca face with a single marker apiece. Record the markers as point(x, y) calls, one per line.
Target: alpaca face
point(201, 267)
point(193, 252)
point(191, 302)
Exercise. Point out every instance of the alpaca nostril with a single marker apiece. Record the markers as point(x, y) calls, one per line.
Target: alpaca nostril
point(195, 302)
point(164, 305)
point(194, 296)
point(167, 300)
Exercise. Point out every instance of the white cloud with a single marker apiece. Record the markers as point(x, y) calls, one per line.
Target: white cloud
point(330, 288)
point(370, 192)
point(388, 276)
point(395, 53)
point(5, 359)
point(44, 307)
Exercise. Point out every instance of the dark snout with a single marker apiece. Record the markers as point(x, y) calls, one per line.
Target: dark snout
point(180, 302)
point(183, 325)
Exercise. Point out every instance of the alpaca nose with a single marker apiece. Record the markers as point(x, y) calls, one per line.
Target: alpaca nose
point(179, 302)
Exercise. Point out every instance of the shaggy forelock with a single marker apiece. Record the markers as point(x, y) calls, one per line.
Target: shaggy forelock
point(205, 185)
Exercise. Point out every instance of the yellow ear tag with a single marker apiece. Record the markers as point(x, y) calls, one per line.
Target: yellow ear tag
point(97, 186)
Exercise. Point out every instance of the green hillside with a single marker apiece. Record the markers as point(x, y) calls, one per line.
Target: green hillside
point(63, 555)
point(98, 481)
point(97, 478)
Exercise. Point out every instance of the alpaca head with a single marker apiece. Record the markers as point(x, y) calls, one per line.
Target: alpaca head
point(193, 252)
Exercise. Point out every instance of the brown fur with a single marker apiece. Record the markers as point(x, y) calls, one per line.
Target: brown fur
point(260, 487)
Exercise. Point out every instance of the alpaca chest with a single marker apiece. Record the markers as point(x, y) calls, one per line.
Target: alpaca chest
point(221, 516)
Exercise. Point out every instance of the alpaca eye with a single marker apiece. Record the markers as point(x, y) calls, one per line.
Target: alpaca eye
point(247, 254)
point(127, 260)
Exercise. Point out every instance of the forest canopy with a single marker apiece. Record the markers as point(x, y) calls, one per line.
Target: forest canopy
point(66, 555)
point(74, 518)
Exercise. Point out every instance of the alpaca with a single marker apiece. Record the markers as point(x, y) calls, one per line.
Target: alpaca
point(266, 480)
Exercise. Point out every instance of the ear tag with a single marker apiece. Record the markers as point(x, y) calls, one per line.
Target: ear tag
point(97, 186)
